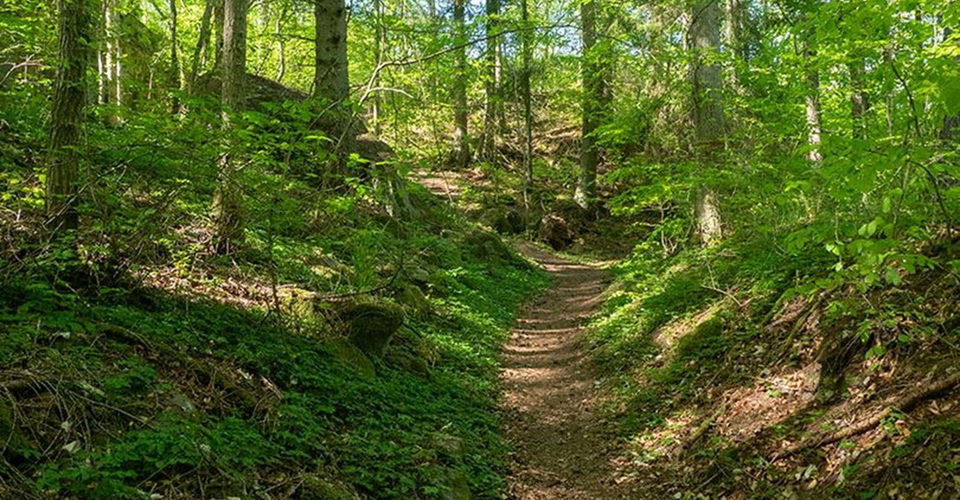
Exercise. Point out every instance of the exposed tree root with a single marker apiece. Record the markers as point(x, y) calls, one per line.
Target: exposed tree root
point(903, 403)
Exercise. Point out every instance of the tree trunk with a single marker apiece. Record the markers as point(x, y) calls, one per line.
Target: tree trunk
point(859, 99)
point(330, 78)
point(735, 11)
point(113, 90)
point(709, 122)
point(379, 38)
point(951, 124)
point(218, 7)
point(66, 114)
point(493, 100)
point(707, 80)
point(461, 148)
point(814, 127)
point(203, 42)
point(174, 58)
point(526, 51)
point(593, 73)
point(281, 48)
point(228, 201)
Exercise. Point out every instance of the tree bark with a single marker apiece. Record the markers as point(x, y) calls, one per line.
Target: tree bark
point(526, 51)
point(593, 75)
point(461, 147)
point(707, 79)
point(735, 11)
point(331, 80)
point(281, 48)
point(218, 8)
point(113, 89)
point(708, 117)
point(951, 124)
point(228, 209)
point(493, 100)
point(174, 58)
point(859, 99)
point(66, 115)
point(203, 42)
point(814, 127)
point(379, 38)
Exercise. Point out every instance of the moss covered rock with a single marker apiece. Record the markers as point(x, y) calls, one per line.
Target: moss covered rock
point(487, 246)
point(314, 487)
point(371, 325)
point(297, 302)
point(413, 300)
point(351, 355)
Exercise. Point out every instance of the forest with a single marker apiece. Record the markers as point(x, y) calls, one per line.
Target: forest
point(429, 249)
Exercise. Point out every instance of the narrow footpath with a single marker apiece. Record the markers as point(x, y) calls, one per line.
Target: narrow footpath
point(563, 449)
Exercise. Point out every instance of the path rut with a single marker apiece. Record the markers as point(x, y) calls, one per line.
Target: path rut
point(562, 449)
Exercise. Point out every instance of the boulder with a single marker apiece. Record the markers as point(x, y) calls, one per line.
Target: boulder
point(556, 231)
point(487, 246)
point(351, 355)
point(314, 487)
point(413, 300)
point(297, 302)
point(507, 221)
point(372, 149)
point(409, 360)
point(457, 486)
point(371, 325)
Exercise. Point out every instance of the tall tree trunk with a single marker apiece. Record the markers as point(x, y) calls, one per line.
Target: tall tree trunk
point(114, 94)
point(951, 124)
point(461, 147)
point(66, 114)
point(379, 39)
point(101, 74)
point(228, 206)
point(859, 99)
point(592, 69)
point(331, 79)
point(203, 42)
point(526, 52)
point(709, 122)
point(735, 11)
point(174, 58)
point(218, 13)
point(814, 127)
point(281, 48)
point(493, 101)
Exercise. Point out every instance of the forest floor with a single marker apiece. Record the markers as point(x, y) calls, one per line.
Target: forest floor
point(563, 449)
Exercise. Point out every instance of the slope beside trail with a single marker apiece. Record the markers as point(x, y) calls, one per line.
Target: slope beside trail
point(563, 449)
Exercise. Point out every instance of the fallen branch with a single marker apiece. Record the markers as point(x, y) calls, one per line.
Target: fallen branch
point(724, 293)
point(903, 403)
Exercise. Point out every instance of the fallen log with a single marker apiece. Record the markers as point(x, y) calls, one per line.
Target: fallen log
point(902, 403)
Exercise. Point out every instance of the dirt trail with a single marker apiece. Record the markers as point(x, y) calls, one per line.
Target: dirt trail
point(562, 449)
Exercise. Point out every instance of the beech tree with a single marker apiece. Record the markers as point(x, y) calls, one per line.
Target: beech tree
point(493, 100)
point(228, 207)
point(66, 112)
point(594, 73)
point(461, 138)
point(708, 116)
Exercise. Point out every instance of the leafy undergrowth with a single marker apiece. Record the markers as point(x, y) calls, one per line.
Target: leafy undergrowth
point(135, 362)
point(738, 369)
point(144, 390)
